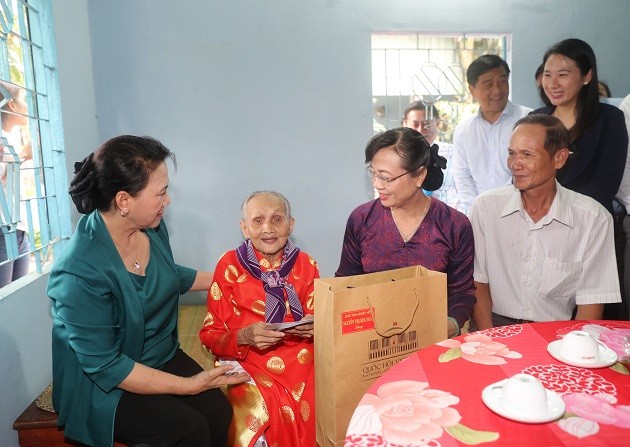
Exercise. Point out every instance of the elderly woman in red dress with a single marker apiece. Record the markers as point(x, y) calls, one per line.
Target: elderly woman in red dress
point(264, 281)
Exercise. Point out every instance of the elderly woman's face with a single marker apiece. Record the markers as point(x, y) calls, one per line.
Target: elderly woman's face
point(267, 226)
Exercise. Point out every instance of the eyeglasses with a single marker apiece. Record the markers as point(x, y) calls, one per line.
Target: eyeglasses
point(384, 180)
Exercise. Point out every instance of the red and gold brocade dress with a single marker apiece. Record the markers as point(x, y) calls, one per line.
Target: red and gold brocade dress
point(282, 404)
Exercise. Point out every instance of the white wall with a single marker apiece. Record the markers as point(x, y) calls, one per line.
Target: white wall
point(257, 94)
point(25, 337)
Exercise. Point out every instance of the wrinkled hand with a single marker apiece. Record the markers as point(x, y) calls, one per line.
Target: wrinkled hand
point(257, 336)
point(304, 330)
point(215, 378)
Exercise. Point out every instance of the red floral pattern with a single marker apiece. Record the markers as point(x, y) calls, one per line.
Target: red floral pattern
point(364, 440)
point(565, 330)
point(502, 331)
point(564, 379)
point(374, 440)
point(477, 348)
point(600, 408)
point(598, 403)
point(580, 327)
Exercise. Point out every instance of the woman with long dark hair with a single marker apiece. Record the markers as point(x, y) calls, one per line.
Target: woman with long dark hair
point(599, 139)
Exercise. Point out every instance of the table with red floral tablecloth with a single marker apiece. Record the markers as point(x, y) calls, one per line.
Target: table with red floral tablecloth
point(433, 397)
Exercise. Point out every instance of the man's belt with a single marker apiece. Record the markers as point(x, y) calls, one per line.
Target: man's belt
point(516, 320)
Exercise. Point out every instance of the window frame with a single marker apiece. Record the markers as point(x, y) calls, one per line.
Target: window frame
point(46, 131)
point(388, 108)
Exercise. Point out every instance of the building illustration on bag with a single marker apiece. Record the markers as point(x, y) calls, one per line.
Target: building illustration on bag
point(382, 352)
point(406, 342)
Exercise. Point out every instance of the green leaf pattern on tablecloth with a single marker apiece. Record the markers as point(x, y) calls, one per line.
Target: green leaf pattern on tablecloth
point(449, 355)
point(469, 436)
point(620, 368)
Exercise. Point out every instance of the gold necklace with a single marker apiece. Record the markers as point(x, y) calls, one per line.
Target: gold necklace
point(136, 264)
point(406, 236)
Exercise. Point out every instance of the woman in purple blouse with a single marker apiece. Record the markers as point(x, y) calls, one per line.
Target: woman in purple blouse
point(404, 227)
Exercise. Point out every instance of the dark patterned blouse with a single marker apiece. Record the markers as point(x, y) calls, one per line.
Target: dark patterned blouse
point(443, 242)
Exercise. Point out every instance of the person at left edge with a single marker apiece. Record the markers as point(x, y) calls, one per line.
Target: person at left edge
point(14, 117)
point(118, 370)
point(404, 227)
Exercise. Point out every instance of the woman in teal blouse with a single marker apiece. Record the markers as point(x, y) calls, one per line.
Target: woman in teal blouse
point(118, 370)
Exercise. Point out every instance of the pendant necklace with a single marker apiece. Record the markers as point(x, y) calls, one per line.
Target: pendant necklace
point(406, 236)
point(136, 264)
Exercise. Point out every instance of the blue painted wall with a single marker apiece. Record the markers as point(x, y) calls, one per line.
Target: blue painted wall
point(277, 94)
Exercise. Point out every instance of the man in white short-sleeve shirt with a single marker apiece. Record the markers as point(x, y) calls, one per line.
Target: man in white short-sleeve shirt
point(541, 249)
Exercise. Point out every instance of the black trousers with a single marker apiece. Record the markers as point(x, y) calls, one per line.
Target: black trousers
point(164, 420)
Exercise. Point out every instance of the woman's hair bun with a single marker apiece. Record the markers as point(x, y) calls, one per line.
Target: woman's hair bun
point(82, 185)
point(435, 174)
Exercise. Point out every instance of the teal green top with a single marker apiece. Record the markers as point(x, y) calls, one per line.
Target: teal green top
point(160, 319)
point(106, 319)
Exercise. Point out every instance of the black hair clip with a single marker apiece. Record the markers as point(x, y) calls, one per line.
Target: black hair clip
point(436, 158)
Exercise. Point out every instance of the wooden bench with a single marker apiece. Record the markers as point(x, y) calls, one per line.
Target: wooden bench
point(38, 428)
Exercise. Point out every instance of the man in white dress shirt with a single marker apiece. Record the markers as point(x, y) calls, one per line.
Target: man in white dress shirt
point(480, 142)
point(541, 249)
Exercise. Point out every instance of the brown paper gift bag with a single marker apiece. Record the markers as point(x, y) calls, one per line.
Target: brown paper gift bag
point(364, 324)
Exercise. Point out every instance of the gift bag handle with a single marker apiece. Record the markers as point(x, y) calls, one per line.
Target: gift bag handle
point(394, 330)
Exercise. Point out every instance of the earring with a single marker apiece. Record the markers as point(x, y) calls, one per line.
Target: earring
point(124, 213)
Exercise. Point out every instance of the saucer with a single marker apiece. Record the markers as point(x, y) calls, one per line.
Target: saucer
point(607, 358)
point(491, 396)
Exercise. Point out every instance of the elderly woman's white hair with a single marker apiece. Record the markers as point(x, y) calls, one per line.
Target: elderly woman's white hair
point(277, 195)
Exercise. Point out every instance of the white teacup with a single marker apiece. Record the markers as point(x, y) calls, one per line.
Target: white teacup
point(581, 347)
point(524, 394)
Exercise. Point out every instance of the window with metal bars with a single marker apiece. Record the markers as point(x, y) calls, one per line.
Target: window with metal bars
point(34, 208)
point(407, 67)
point(429, 68)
